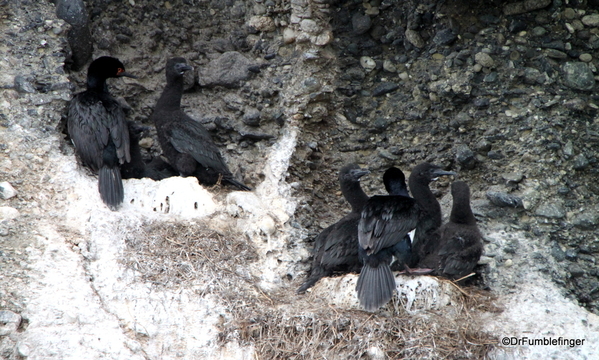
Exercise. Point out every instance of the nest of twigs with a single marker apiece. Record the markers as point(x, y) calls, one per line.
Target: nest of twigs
point(283, 325)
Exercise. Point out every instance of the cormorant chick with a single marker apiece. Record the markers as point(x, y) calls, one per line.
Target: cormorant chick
point(382, 232)
point(185, 142)
point(336, 247)
point(426, 235)
point(157, 169)
point(97, 127)
point(461, 240)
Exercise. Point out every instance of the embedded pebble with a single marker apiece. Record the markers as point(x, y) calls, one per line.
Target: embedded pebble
point(9, 322)
point(7, 191)
point(484, 59)
point(262, 23)
point(367, 63)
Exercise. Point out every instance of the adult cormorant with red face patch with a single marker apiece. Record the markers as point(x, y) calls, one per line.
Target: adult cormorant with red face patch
point(97, 128)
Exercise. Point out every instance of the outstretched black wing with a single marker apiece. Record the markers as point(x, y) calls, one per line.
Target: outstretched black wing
point(190, 137)
point(92, 124)
point(385, 221)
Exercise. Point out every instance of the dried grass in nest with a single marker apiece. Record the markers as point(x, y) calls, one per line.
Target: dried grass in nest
point(170, 254)
point(283, 325)
point(309, 328)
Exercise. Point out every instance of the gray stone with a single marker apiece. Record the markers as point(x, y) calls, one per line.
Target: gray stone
point(586, 57)
point(568, 149)
point(414, 38)
point(361, 23)
point(311, 85)
point(557, 252)
point(578, 75)
point(569, 13)
point(230, 70)
point(587, 220)
point(288, 35)
point(556, 54)
point(495, 155)
point(367, 63)
point(524, 6)
point(514, 177)
point(502, 199)
point(577, 104)
point(7, 191)
point(384, 88)
point(491, 77)
point(484, 59)
point(310, 26)
point(580, 162)
point(251, 117)
point(551, 210)
point(465, 156)
point(444, 37)
point(23, 84)
point(511, 246)
point(79, 36)
point(575, 270)
point(8, 213)
point(539, 31)
point(591, 20)
point(571, 254)
point(9, 322)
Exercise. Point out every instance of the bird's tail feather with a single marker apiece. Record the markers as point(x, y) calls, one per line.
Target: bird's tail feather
point(110, 186)
point(236, 183)
point(316, 274)
point(308, 284)
point(375, 286)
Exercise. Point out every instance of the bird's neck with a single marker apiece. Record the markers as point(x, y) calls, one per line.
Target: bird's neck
point(354, 194)
point(461, 213)
point(171, 96)
point(398, 189)
point(96, 84)
point(426, 200)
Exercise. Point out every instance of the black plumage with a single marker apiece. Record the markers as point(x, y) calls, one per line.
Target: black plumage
point(382, 232)
point(185, 142)
point(336, 247)
point(137, 168)
point(97, 128)
point(461, 240)
point(426, 235)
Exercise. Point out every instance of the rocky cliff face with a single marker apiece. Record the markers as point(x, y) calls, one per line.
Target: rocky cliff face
point(501, 92)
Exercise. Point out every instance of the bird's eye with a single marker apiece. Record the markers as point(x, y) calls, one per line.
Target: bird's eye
point(120, 70)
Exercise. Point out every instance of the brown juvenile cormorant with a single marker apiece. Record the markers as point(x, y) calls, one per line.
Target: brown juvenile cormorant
point(97, 128)
point(461, 241)
point(185, 142)
point(382, 232)
point(336, 247)
point(426, 235)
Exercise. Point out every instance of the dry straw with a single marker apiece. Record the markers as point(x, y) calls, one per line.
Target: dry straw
point(282, 325)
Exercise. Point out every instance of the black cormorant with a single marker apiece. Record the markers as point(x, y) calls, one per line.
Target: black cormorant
point(426, 235)
point(185, 142)
point(382, 232)
point(97, 128)
point(336, 247)
point(461, 241)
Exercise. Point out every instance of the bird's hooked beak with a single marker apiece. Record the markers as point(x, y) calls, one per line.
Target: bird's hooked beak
point(182, 67)
point(440, 172)
point(358, 173)
point(122, 72)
